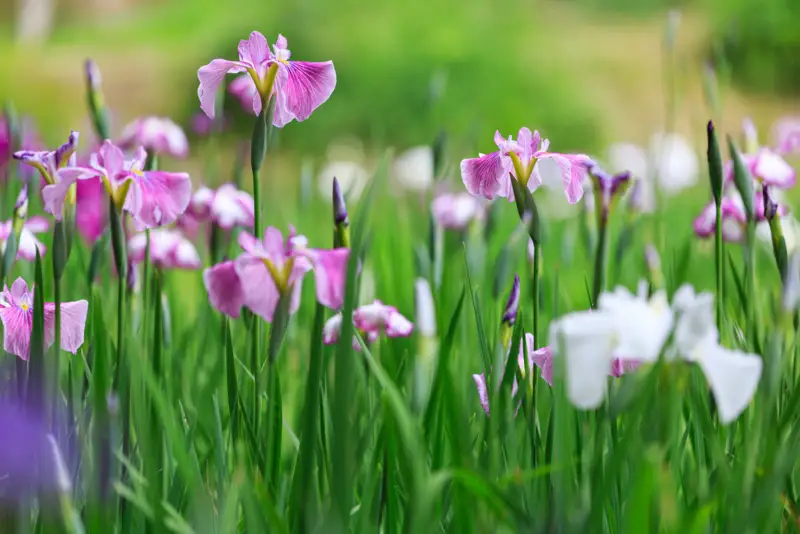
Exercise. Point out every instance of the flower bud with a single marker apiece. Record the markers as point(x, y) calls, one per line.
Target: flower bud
point(425, 310)
point(21, 205)
point(512, 305)
point(750, 136)
point(770, 206)
point(339, 207)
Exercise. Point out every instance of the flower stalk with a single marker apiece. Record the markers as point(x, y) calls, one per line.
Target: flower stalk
point(716, 178)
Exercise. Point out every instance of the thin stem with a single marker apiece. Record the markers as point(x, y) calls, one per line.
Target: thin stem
point(600, 262)
point(718, 259)
point(537, 258)
point(56, 349)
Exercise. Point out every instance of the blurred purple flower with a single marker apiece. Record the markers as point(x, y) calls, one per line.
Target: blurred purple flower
point(273, 267)
point(767, 168)
point(299, 87)
point(202, 125)
point(28, 243)
point(456, 211)
point(488, 174)
point(371, 320)
point(156, 134)
point(226, 206)
point(734, 217)
point(16, 313)
point(786, 132)
point(168, 250)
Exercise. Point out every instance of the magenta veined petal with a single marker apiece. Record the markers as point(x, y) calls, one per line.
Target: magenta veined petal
point(484, 176)
point(73, 324)
point(304, 87)
point(483, 393)
point(159, 198)
point(224, 288)
point(210, 76)
point(254, 52)
point(17, 327)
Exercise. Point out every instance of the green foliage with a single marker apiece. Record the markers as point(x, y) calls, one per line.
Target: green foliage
point(761, 42)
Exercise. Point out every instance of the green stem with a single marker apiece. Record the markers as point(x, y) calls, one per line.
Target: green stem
point(718, 259)
point(600, 261)
point(57, 350)
point(537, 259)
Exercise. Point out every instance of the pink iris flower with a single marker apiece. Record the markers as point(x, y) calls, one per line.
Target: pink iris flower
point(28, 243)
point(542, 358)
point(168, 250)
point(371, 320)
point(786, 132)
point(488, 174)
point(16, 313)
point(734, 217)
point(91, 213)
point(156, 134)
point(299, 87)
point(272, 267)
point(226, 206)
point(153, 198)
point(767, 167)
point(456, 211)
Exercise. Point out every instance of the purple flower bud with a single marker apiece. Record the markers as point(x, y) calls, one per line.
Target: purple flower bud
point(770, 206)
point(339, 208)
point(93, 78)
point(65, 152)
point(132, 277)
point(21, 205)
point(512, 306)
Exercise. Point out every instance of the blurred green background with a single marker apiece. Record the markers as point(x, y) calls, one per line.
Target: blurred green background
point(586, 72)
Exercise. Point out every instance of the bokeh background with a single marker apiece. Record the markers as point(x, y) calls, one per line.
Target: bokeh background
point(587, 72)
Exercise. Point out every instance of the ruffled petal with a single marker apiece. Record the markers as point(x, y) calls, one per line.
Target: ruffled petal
point(73, 324)
point(484, 176)
point(305, 86)
point(210, 76)
point(17, 327)
point(330, 273)
point(254, 52)
point(260, 294)
point(224, 288)
point(163, 197)
point(543, 359)
point(732, 375)
point(91, 213)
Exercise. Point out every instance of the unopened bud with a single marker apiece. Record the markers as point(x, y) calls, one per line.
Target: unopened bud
point(64, 154)
point(21, 205)
point(512, 305)
point(94, 80)
point(339, 207)
point(750, 136)
point(770, 206)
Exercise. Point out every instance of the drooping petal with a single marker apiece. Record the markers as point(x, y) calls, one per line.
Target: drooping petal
point(642, 326)
point(17, 327)
point(244, 89)
point(305, 86)
point(330, 273)
point(224, 288)
point(543, 359)
point(28, 245)
point(259, 292)
point(37, 224)
point(91, 213)
point(585, 341)
point(54, 195)
point(73, 323)
point(483, 393)
point(573, 172)
point(163, 197)
point(732, 375)
point(332, 329)
point(695, 318)
point(210, 76)
point(484, 176)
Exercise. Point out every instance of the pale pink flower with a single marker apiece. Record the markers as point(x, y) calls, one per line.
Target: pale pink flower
point(298, 87)
point(168, 250)
point(734, 217)
point(767, 168)
point(16, 313)
point(786, 132)
point(226, 206)
point(372, 321)
point(456, 211)
point(156, 134)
